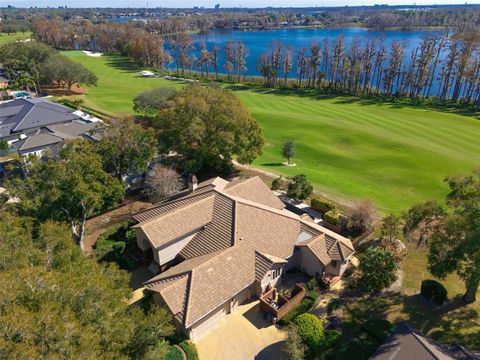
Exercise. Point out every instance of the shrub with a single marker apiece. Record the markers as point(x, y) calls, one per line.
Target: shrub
point(323, 205)
point(298, 310)
point(332, 217)
point(293, 348)
point(277, 183)
point(312, 285)
point(299, 187)
point(190, 349)
point(378, 328)
point(331, 339)
point(125, 262)
point(310, 329)
point(174, 354)
point(433, 291)
point(362, 218)
point(119, 247)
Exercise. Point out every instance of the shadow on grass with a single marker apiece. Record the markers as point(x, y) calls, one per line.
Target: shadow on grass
point(456, 322)
point(122, 64)
point(271, 164)
point(369, 100)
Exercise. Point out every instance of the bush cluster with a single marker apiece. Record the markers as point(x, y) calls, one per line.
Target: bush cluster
point(433, 291)
point(310, 329)
point(323, 205)
point(332, 217)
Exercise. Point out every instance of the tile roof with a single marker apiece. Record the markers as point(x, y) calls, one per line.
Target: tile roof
point(218, 234)
point(263, 263)
point(254, 189)
point(237, 241)
point(181, 221)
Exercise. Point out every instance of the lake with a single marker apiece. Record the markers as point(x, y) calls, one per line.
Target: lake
point(258, 41)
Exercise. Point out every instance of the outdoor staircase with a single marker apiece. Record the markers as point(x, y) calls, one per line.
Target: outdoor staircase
point(154, 268)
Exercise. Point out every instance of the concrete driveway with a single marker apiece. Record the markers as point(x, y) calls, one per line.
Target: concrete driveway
point(242, 335)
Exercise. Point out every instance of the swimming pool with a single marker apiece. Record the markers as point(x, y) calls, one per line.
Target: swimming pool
point(20, 94)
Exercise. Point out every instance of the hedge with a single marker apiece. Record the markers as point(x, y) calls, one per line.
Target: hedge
point(433, 291)
point(322, 205)
point(332, 217)
point(298, 310)
point(190, 349)
point(310, 330)
point(174, 354)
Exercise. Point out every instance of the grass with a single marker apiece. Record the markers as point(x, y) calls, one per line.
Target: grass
point(8, 38)
point(350, 149)
point(393, 154)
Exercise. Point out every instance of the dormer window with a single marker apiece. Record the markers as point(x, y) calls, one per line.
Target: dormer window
point(276, 273)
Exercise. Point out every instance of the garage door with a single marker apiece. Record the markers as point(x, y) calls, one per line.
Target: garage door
point(209, 322)
point(240, 298)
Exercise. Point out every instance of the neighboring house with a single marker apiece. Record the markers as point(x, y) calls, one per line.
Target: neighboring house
point(33, 125)
point(225, 242)
point(406, 343)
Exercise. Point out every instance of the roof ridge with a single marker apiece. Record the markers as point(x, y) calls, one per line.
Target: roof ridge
point(417, 337)
point(171, 202)
point(330, 233)
point(173, 211)
point(23, 118)
point(260, 206)
point(240, 181)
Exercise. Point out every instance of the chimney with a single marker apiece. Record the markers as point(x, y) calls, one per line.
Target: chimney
point(192, 182)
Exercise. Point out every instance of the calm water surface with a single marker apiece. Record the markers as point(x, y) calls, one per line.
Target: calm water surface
point(258, 41)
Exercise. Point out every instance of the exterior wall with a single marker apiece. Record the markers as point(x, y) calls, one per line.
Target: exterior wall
point(269, 278)
point(210, 322)
point(169, 251)
point(294, 261)
point(338, 269)
point(309, 263)
point(142, 241)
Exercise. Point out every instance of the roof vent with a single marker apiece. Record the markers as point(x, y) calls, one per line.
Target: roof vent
point(192, 182)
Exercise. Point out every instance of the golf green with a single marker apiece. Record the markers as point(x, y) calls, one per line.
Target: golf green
point(351, 149)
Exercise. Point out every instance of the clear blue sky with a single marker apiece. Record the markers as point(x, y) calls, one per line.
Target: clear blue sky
point(211, 3)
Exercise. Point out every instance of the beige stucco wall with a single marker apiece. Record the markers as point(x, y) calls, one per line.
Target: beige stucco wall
point(269, 279)
point(142, 241)
point(209, 322)
point(309, 262)
point(338, 269)
point(168, 252)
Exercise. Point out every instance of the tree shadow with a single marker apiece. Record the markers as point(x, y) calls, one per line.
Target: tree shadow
point(271, 164)
point(122, 64)
point(272, 351)
point(455, 322)
point(369, 100)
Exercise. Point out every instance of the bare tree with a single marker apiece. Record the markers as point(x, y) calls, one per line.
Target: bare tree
point(161, 182)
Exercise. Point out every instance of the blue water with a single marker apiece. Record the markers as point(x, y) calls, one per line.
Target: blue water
point(258, 41)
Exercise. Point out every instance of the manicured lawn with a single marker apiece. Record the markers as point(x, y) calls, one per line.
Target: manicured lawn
point(7, 38)
point(394, 155)
point(118, 83)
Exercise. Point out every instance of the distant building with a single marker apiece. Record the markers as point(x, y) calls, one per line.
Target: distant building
point(30, 126)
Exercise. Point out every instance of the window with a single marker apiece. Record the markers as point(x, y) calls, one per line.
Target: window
point(276, 273)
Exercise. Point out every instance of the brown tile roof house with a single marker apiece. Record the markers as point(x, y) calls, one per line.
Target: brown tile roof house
point(405, 343)
point(230, 240)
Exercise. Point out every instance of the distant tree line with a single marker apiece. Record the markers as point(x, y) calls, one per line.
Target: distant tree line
point(442, 66)
point(170, 21)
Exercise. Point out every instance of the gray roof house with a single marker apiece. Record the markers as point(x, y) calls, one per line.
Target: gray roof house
point(33, 125)
point(405, 343)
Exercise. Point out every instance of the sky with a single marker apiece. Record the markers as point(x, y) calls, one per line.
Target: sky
point(211, 3)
